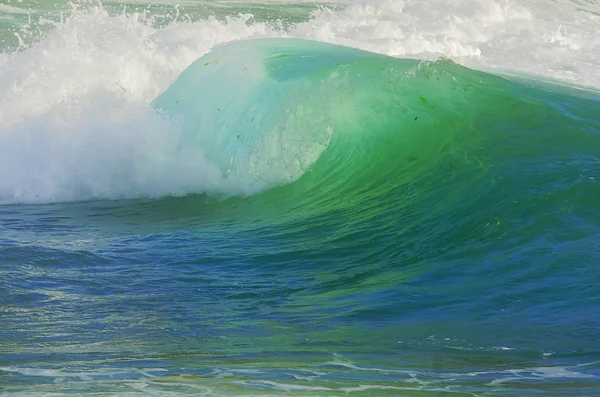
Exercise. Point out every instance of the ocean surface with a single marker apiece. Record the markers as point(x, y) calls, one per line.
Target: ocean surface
point(239, 198)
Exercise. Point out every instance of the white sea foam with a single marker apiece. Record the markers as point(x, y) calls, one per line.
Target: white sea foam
point(74, 116)
point(159, 381)
point(5, 8)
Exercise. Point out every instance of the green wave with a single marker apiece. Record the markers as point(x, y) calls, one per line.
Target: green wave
point(318, 128)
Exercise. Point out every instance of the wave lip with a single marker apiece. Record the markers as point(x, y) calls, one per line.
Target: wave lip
point(267, 111)
point(263, 110)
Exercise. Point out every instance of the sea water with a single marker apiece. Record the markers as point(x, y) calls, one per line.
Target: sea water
point(362, 198)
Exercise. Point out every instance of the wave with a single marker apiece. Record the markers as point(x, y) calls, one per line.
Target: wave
point(75, 122)
point(341, 122)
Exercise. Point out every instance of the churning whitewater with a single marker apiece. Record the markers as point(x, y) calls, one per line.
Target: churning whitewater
point(362, 198)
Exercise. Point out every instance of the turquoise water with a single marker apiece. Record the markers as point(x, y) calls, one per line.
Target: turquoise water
point(362, 225)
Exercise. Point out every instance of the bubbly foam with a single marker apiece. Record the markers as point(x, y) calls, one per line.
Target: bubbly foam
point(251, 382)
point(5, 8)
point(74, 117)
